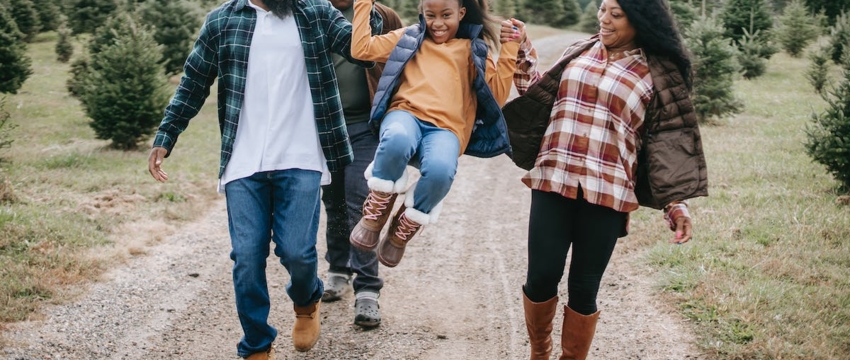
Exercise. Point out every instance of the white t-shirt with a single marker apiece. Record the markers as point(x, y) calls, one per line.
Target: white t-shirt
point(277, 127)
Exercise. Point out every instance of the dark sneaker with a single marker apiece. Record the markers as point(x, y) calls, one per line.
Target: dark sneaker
point(336, 286)
point(367, 312)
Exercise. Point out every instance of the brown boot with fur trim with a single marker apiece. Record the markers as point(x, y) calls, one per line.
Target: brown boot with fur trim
point(402, 229)
point(307, 327)
point(376, 212)
point(376, 209)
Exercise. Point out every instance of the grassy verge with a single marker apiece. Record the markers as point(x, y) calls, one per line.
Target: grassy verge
point(768, 274)
point(74, 196)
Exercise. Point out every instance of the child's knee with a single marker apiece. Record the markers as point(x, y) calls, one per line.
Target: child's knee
point(440, 171)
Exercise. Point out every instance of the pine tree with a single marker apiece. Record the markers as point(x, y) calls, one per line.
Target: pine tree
point(504, 8)
point(175, 24)
point(589, 22)
point(714, 68)
point(85, 16)
point(818, 69)
point(683, 12)
point(797, 29)
point(48, 14)
point(64, 48)
point(571, 14)
point(828, 136)
point(546, 12)
point(408, 10)
point(26, 17)
point(832, 8)
point(749, 56)
point(76, 82)
point(127, 89)
point(752, 15)
point(102, 38)
point(15, 66)
point(840, 37)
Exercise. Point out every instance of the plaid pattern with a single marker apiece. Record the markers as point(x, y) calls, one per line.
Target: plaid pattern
point(673, 212)
point(593, 136)
point(221, 52)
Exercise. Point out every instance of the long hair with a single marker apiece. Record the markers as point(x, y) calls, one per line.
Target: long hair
point(657, 34)
point(477, 14)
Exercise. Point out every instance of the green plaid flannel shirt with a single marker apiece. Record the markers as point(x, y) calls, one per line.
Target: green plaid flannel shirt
point(221, 52)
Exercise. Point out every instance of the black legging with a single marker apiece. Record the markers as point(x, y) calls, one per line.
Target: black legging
point(554, 224)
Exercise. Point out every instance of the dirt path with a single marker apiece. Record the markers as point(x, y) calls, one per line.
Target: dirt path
point(456, 295)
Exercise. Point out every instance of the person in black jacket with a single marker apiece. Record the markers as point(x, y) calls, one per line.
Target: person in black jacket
point(344, 197)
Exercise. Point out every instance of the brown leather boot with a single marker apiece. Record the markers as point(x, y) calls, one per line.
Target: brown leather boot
point(305, 331)
point(577, 334)
point(265, 355)
point(402, 229)
point(538, 322)
point(376, 212)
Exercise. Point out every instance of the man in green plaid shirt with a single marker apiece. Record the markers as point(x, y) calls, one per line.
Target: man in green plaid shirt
point(282, 132)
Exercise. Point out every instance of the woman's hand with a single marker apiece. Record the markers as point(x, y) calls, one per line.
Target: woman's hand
point(512, 30)
point(679, 220)
point(684, 230)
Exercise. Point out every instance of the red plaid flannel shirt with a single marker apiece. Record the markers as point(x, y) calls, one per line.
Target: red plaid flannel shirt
point(593, 135)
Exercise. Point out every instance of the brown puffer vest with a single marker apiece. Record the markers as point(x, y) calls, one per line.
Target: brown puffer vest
point(671, 164)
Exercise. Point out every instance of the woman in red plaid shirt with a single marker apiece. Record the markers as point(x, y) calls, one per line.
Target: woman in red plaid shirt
point(621, 132)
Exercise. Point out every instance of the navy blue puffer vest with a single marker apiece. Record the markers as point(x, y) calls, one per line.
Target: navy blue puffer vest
point(489, 134)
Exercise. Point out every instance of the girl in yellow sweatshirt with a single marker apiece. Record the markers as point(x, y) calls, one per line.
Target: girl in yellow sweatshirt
point(439, 97)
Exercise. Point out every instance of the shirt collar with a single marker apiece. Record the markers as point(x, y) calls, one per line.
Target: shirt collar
point(240, 4)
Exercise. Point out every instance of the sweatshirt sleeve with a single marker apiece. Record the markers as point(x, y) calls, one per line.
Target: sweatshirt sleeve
point(501, 73)
point(364, 46)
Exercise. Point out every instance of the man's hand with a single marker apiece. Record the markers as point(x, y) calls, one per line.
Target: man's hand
point(154, 163)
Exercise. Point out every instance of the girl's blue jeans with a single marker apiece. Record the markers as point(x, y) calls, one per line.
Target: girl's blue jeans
point(280, 207)
point(434, 150)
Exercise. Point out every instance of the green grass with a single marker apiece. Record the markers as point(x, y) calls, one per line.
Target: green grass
point(768, 274)
point(72, 192)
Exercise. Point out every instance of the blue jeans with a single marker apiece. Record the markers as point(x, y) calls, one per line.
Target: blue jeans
point(433, 149)
point(280, 207)
point(343, 200)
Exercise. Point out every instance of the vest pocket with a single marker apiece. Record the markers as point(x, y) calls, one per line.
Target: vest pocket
point(672, 164)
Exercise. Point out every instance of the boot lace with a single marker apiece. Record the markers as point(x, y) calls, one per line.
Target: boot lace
point(375, 205)
point(406, 228)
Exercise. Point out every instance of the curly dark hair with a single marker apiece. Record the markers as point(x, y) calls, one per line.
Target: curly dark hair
point(657, 33)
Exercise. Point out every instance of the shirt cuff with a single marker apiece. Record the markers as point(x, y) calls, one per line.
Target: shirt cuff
point(673, 211)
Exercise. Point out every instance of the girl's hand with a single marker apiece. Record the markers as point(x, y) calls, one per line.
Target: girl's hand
point(512, 30)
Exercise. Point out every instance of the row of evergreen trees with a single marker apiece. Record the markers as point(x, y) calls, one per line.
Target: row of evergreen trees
point(138, 42)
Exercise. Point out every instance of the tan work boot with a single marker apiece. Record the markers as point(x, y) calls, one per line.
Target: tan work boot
point(376, 212)
point(305, 331)
point(402, 229)
point(538, 322)
point(263, 355)
point(577, 334)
